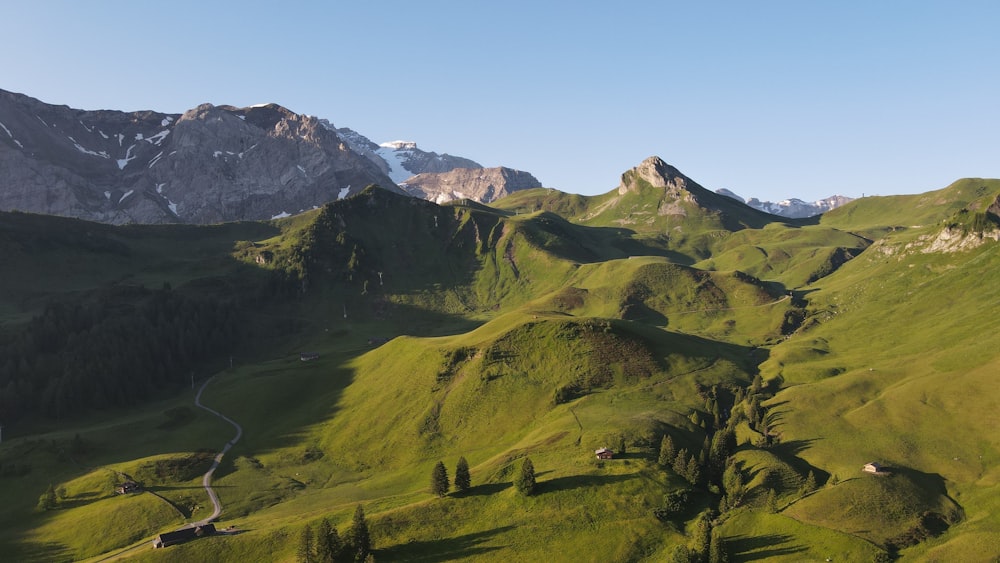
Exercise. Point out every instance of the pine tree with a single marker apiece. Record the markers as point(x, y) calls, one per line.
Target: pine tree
point(810, 484)
point(328, 544)
point(717, 550)
point(439, 480)
point(667, 451)
point(48, 499)
point(771, 501)
point(693, 471)
point(525, 482)
point(307, 550)
point(359, 539)
point(463, 480)
point(702, 537)
point(681, 462)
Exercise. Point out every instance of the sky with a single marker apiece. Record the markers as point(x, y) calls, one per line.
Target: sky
point(769, 99)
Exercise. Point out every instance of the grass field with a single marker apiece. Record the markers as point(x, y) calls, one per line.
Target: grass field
point(544, 329)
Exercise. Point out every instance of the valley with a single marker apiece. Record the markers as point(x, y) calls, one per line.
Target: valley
point(743, 368)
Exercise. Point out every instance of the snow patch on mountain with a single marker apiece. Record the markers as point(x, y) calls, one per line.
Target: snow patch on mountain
point(123, 162)
point(395, 154)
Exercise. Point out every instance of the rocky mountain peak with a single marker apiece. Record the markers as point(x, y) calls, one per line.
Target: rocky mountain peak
point(655, 172)
point(209, 164)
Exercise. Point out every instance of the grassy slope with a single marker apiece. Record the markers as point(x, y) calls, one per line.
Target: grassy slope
point(366, 425)
point(897, 365)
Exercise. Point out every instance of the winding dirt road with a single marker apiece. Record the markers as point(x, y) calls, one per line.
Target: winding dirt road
point(206, 480)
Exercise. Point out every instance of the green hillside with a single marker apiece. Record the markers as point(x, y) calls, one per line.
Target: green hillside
point(743, 369)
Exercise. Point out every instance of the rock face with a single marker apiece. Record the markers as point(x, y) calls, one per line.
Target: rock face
point(481, 184)
point(438, 177)
point(658, 174)
point(793, 208)
point(211, 164)
point(402, 160)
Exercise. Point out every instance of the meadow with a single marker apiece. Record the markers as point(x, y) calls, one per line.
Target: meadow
point(779, 356)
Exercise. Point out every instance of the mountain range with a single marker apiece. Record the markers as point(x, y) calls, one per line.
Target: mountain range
point(794, 207)
point(223, 163)
point(769, 388)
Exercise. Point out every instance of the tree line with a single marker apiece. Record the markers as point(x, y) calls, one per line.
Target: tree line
point(117, 348)
point(325, 545)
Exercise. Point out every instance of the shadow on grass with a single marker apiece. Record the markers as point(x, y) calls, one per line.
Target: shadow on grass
point(448, 549)
point(633, 455)
point(792, 448)
point(756, 548)
point(43, 551)
point(483, 490)
point(577, 482)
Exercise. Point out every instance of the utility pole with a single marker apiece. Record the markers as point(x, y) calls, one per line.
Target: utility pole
point(192, 380)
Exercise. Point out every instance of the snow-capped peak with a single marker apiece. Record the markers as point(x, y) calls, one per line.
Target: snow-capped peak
point(399, 145)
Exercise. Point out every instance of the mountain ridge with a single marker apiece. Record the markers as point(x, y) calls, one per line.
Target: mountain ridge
point(150, 167)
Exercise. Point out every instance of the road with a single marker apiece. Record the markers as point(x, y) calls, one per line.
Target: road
point(206, 480)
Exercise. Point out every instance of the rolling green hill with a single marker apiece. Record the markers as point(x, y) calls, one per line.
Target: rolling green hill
point(743, 368)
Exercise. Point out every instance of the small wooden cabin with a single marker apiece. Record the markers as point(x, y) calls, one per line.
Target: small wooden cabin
point(873, 467)
point(172, 538)
point(604, 453)
point(128, 487)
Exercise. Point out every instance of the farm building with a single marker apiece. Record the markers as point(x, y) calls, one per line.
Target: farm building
point(309, 356)
point(183, 535)
point(873, 467)
point(604, 453)
point(128, 487)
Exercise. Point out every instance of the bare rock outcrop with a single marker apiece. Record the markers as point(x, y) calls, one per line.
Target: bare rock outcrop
point(210, 164)
point(480, 184)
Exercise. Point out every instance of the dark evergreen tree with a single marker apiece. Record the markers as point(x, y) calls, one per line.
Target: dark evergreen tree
point(723, 445)
point(439, 480)
point(693, 471)
point(328, 544)
point(681, 462)
point(702, 537)
point(48, 499)
point(667, 451)
point(809, 485)
point(463, 480)
point(717, 550)
point(307, 549)
point(358, 537)
point(771, 501)
point(525, 481)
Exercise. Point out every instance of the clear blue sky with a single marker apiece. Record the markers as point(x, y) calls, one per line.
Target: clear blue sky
point(771, 99)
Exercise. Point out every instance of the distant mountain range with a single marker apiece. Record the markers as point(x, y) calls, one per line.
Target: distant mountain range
point(222, 163)
point(794, 208)
point(438, 178)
